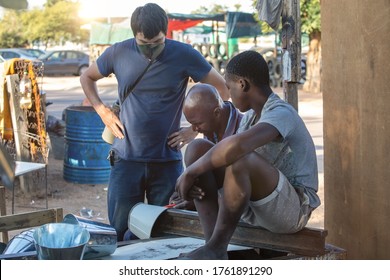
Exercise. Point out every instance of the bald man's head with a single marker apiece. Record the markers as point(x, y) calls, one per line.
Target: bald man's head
point(202, 108)
point(203, 96)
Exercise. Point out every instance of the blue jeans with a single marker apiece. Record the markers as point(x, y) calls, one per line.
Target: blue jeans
point(131, 182)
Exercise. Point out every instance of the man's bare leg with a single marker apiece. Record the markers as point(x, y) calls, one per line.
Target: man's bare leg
point(249, 178)
point(208, 205)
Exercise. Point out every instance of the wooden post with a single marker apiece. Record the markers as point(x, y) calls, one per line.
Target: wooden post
point(291, 44)
point(3, 212)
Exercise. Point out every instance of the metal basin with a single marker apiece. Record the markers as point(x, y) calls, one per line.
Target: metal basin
point(103, 240)
point(60, 241)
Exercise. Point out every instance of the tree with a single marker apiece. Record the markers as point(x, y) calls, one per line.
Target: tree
point(214, 9)
point(31, 21)
point(56, 23)
point(60, 23)
point(11, 30)
point(311, 24)
point(50, 3)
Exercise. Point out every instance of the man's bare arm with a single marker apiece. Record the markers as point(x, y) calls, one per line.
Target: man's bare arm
point(88, 83)
point(215, 79)
point(225, 153)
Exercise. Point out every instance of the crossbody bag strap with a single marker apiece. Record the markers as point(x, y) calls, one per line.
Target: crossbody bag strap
point(136, 81)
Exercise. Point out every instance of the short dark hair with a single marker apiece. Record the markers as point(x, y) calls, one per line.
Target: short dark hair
point(249, 65)
point(150, 20)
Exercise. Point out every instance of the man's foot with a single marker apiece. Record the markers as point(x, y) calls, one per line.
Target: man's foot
point(204, 253)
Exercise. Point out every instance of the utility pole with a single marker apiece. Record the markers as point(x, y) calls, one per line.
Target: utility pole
point(291, 44)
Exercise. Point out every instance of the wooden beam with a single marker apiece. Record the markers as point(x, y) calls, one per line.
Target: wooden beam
point(30, 219)
point(3, 212)
point(308, 242)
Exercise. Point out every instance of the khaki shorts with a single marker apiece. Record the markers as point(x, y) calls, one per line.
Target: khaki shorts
point(285, 210)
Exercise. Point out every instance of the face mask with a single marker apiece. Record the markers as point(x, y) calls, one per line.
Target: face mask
point(151, 51)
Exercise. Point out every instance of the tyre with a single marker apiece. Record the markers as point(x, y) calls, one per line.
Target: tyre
point(278, 71)
point(271, 63)
point(303, 71)
point(197, 47)
point(222, 50)
point(222, 66)
point(204, 50)
point(213, 50)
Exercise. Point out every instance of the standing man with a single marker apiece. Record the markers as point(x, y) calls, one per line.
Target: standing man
point(270, 164)
point(144, 165)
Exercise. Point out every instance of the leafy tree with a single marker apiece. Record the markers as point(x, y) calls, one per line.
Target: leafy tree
point(214, 9)
point(237, 7)
point(60, 23)
point(31, 21)
point(56, 23)
point(11, 30)
point(50, 3)
point(311, 25)
point(310, 16)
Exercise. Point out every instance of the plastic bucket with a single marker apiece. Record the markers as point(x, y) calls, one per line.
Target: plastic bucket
point(103, 240)
point(85, 157)
point(142, 218)
point(60, 241)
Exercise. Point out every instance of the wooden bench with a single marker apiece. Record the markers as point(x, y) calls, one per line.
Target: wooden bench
point(29, 220)
point(309, 242)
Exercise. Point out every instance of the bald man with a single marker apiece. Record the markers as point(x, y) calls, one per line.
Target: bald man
point(269, 166)
point(210, 115)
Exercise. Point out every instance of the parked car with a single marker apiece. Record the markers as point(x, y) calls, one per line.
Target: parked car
point(15, 53)
point(64, 62)
point(33, 52)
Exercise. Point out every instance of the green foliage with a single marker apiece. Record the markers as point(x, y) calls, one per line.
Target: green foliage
point(51, 3)
point(11, 30)
point(31, 22)
point(57, 23)
point(60, 23)
point(310, 16)
point(215, 9)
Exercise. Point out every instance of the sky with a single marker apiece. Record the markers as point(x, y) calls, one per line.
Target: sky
point(123, 8)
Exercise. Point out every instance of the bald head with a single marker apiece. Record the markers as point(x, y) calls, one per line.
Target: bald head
point(203, 96)
point(204, 109)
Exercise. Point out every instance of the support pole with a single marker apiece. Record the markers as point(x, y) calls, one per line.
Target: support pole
point(291, 44)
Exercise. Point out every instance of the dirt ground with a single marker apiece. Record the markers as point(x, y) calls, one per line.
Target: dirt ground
point(90, 200)
point(80, 199)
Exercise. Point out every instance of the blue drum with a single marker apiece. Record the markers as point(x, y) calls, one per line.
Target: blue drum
point(85, 155)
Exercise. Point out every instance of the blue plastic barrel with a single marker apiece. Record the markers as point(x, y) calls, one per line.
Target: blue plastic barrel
point(85, 155)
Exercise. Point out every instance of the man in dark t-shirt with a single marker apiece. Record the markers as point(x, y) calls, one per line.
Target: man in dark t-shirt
point(144, 165)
